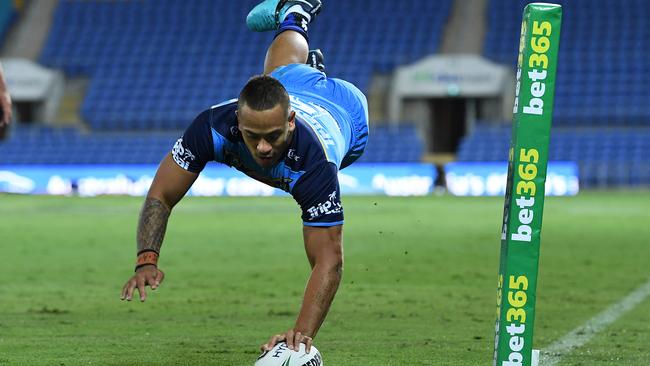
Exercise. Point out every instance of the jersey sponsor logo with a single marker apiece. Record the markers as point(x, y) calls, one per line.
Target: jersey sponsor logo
point(329, 207)
point(182, 155)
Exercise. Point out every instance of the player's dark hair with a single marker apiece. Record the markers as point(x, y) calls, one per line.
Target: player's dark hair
point(263, 92)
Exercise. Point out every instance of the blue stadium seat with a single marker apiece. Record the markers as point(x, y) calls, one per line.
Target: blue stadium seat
point(606, 156)
point(45, 145)
point(183, 56)
point(400, 143)
point(603, 46)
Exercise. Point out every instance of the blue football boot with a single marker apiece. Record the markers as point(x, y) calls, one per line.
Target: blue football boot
point(268, 14)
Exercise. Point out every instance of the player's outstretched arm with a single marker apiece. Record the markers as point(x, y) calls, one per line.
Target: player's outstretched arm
point(169, 186)
point(325, 253)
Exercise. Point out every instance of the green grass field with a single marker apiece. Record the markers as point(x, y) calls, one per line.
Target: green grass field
point(419, 284)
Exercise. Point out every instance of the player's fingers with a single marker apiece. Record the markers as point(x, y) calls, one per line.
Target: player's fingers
point(278, 338)
point(150, 279)
point(290, 337)
point(143, 293)
point(297, 339)
point(308, 342)
point(271, 343)
point(130, 286)
point(124, 289)
point(159, 278)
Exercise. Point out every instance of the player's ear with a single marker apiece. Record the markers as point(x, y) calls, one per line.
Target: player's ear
point(237, 116)
point(292, 120)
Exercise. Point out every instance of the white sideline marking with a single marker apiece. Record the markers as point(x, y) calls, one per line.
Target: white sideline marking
point(583, 334)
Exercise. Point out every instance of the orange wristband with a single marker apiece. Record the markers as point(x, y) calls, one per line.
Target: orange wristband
point(147, 257)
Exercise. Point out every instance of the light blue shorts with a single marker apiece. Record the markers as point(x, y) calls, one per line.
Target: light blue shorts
point(344, 101)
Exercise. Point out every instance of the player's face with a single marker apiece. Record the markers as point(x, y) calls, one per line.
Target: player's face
point(267, 134)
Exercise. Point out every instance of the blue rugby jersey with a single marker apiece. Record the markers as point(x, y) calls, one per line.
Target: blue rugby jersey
point(308, 171)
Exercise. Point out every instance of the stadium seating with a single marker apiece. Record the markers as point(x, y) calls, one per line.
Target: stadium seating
point(154, 64)
point(47, 145)
point(604, 49)
point(393, 144)
point(606, 156)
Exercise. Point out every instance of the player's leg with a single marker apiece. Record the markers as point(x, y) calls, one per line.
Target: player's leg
point(287, 48)
point(315, 58)
point(290, 18)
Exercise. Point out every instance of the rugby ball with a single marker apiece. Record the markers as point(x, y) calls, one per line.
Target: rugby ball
point(280, 355)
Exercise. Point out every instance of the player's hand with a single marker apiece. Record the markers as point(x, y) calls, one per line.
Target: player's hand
point(5, 108)
point(147, 275)
point(293, 339)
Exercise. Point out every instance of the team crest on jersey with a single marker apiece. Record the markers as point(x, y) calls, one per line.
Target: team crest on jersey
point(182, 155)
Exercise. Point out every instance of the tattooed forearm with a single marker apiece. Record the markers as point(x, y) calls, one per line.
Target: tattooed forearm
point(152, 225)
